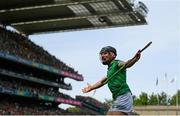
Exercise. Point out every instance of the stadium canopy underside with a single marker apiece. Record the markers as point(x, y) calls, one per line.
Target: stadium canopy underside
point(42, 16)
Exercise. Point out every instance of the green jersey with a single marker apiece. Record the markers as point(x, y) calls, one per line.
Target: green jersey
point(117, 84)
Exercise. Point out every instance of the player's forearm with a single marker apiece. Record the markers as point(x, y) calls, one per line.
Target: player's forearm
point(131, 62)
point(98, 84)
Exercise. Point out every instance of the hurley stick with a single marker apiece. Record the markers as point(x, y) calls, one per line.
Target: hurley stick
point(146, 46)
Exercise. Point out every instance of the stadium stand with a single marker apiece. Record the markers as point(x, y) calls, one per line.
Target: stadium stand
point(28, 75)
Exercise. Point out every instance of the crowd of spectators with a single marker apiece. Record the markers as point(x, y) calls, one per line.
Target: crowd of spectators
point(9, 108)
point(15, 108)
point(19, 45)
point(30, 77)
point(31, 90)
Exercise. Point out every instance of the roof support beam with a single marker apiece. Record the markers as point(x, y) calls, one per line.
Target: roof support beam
point(71, 18)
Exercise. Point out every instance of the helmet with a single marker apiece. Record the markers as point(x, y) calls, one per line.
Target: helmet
point(108, 49)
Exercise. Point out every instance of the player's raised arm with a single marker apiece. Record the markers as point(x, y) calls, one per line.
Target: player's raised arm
point(131, 62)
point(137, 56)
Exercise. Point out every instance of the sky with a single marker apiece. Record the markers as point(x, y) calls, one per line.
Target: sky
point(80, 50)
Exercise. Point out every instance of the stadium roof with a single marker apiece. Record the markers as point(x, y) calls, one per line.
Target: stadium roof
point(41, 16)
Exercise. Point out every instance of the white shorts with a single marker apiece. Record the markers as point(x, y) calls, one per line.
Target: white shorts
point(123, 103)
